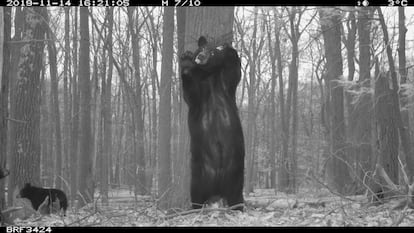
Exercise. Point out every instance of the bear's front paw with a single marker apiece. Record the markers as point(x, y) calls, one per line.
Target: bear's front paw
point(186, 62)
point(187, 55)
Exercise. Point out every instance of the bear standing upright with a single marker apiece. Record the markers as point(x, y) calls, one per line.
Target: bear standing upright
point(209, 78)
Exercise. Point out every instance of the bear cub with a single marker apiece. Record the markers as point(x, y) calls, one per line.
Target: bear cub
point(37, 196)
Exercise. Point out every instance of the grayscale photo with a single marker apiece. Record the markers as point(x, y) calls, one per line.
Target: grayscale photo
point(121, 115)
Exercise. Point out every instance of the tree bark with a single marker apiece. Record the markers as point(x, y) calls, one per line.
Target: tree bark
point(96, 120)
point(140, 183)
point(362, 112)
point(350, 44)
point(251, 114)
point(405, 132)
point(272, 114)
point(54, 92)
point(74, 149)
point(153, 106)
point(14, 59)
point(404, 135)
point(46, 134)
point(85, 178)
point(182, 157)
point(66, 108)
point(338, 169)
point(25, 114)
point(386, 129)
point(164, 144)
point(107, 113)
point(284, 121)
point(5, 28)
point(99, 158)
point(351, 118)
point(293, 85)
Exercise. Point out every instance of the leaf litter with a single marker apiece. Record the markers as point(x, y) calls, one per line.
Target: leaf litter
point(264, 209)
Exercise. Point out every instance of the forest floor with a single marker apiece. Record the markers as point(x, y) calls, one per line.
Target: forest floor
point(264, 208)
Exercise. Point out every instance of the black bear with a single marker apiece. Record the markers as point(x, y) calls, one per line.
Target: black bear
point(209, 78)
point(38, 195)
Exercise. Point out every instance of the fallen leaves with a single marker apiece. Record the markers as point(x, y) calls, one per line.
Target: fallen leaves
point(262, 210)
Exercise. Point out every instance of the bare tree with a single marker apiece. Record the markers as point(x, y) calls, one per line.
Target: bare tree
point(362, 110)
point(284, 122)
point(66, 101)
point(405, 128)
point(51, 47)
point(107, 113)
point(74, 148)
point(85, 178)
point(272, 120)
point(140, 186)
point(289, 161)
point(164, 142)
point(387, 131)
point(338, 170)
point(349, 41)
point(389, 152)
point(154, 36)
point(182, 157)
point(25, 111)
point(5, 29)
point(251, 115)
point(252, 49)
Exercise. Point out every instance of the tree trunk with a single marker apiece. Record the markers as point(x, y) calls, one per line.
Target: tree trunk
point(153, 107)
point(182, 157)
point(48, 161)
point(2, 43)
point(74, 149)
point(404, 135)
point(405, 132)
point(25, 114)
point(386, 129)
point(46, 134)
point(219, 25)
point(338, 170)
point(66, 109)
point(107, 114)
point(164, 144)
point(114, 168)
point(54, 92)
point(85, 178)
point(95, 113)
point(100, 121)
point(350, 44)
point(351, 118)
point(251, 114)
point(362, 110)
point(5, 28)
point(272, 113)
point(14, 59)
point(293, 85)
point(140, 186)
point(284, 121)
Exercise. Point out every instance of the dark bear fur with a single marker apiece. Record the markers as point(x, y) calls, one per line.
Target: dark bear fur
point(209, 78)
point(38, 195)
point(4, 172)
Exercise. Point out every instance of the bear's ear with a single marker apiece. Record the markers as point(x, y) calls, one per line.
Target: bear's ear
point(202, 42)
point(27, 185)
